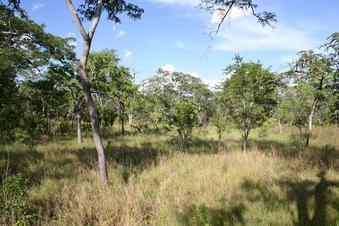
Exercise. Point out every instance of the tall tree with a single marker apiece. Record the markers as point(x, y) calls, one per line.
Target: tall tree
point(296, 104)
point(25, 50)
point(316, 70)
point(249, 96)
point(91, 10)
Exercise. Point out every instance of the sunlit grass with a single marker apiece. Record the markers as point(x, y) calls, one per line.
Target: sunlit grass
point(155, 181)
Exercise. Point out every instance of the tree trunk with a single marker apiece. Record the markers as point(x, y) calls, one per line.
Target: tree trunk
point(122, 125)
point(280, 126)
point(244, 139)
point(79, 132)
point(122, 118)
point(93, 113)
point(310, 122)
point(219, 133)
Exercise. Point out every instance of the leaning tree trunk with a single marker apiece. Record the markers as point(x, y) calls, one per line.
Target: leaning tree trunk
point(310, 123)
point(93, 113)
point(87, 37)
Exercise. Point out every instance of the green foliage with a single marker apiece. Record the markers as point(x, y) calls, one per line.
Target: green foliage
point(265, 127)
point(112, 86)
point(220, 117)
point(145, 110)
point(185, 118)
point(249, 96)
point(297, 104)
point(169, 88)
point(27, 50)
point(113, 8)
point(13, 201)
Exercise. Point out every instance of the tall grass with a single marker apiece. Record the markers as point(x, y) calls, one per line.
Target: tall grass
point(153, 181)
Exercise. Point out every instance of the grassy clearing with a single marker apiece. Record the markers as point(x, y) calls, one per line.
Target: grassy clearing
point(155, 182)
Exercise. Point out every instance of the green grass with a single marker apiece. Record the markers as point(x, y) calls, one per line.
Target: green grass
point(153, 181)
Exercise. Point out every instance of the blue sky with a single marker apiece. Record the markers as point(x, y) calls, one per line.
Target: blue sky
point(172, 34)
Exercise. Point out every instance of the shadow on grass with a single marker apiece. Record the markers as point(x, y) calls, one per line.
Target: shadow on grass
point(314, 203)
point(132, 159)
point(66, 163)
point(317, 198)
point(202, 215)
point(19, 161)
point(198, 145)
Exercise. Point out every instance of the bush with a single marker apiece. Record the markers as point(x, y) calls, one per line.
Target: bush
point(185, 118)
point(13, 201)
point(265, 127)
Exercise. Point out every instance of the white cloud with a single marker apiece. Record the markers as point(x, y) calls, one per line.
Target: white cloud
point(234, 14)
point(211, 83)
point(127, 53)
point(245, 34)
point(122, 34)
point(181, 45)
point(168, 67)
point(37, 6)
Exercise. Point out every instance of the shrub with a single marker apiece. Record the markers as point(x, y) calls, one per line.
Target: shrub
point(185, 118)
point(265, 127)
point(13, 201)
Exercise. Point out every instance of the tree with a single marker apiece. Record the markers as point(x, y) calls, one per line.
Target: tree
point(185, 118)
point(296, 105)
point(316, 70)
point(144, 110)
point(169, 88)
point(249, 96)
point(25, 50)
point(220, 117)
point(91, 10)
point(111, 81)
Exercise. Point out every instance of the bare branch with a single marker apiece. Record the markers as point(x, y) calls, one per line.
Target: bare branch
point(224, 17)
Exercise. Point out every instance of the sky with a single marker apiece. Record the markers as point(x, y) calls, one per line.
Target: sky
point(173, 34)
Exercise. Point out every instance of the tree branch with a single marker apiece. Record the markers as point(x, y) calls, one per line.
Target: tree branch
point(77, 20)
point(95, 20)
point(224, 17)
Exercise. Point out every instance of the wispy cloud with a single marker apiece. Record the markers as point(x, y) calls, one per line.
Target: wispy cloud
point(38, 6)
point(181, 45)
point(122, 34)
point(246, 34)
point(127, 53)
point(234, 14)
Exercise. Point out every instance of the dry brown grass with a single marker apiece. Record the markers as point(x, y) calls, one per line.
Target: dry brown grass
point(154, 182)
